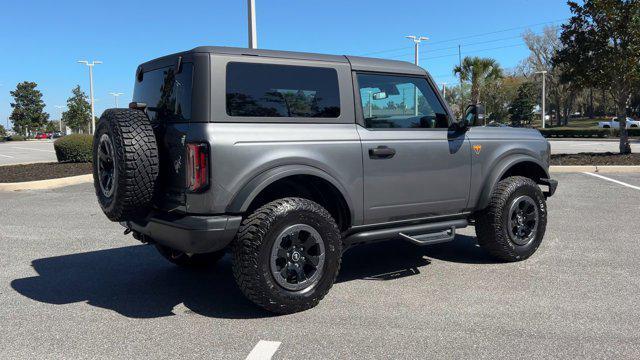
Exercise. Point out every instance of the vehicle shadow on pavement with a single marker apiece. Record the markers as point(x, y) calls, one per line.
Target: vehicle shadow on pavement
point(136, 282)
point(396, 258)
point(463, 249)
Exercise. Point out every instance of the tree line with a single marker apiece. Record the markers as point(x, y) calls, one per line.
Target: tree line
point(592, 66)
point(28, 113)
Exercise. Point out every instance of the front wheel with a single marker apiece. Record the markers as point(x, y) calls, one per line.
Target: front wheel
point(287, 255)
point(512, 226)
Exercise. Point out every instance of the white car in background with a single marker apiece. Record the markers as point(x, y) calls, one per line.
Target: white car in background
point(615, 124)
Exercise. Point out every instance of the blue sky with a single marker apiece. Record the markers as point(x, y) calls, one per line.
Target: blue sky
point(42, 40)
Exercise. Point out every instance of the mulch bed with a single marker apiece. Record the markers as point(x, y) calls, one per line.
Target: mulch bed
point(42, 171)
point(595, 159)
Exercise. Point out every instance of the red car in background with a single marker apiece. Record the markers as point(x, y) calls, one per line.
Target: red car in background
point(41, 136)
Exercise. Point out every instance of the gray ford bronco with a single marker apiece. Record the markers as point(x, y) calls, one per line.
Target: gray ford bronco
point(287, 159)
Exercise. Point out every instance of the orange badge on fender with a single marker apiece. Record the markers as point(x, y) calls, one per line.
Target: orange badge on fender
point(477, 149)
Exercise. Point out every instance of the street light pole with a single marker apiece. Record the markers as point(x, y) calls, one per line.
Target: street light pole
point(115, 96)
point(91, 65)
point(60, 107)
point(416, 42)
point(461, 83)
point(544, 96)
point(444, 90)
point(253, 36)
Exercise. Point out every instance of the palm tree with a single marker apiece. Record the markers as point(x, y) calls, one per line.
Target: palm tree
point(479, 71)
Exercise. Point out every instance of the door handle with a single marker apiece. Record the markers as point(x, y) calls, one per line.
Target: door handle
point(382, 152)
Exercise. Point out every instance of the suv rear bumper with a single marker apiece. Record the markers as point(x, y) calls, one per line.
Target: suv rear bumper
point(189, 234)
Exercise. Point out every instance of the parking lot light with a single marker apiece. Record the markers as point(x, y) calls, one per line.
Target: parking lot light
point(91, 65)
point(416, 42)
point(60, 107)
point(544, 95)
point(115, 96)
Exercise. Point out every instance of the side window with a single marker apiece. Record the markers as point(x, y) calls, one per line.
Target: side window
point(267, 90)
point(400, 102)
point(167, 94)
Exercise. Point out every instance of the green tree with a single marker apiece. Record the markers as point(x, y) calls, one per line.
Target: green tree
point(499, 96)
point(544, 47)
point(28, 108)
point(602, 50)
point(51, 126)
point(480, 72)
point(456, 98)
point(3, 131)
point(78, 114)
point(521, 109)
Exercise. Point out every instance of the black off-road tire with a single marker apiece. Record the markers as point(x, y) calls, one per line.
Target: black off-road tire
point(194, 261)
point(491, 223)
point(252, 249)
point(135, 163)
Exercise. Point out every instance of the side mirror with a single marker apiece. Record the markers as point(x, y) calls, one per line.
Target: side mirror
point(474, 115)
point(459, 127)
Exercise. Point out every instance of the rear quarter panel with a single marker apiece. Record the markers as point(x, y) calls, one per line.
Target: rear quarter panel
point(243, 151)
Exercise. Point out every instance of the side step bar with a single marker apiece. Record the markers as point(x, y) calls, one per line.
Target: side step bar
point(422, 234)
point(431, 238)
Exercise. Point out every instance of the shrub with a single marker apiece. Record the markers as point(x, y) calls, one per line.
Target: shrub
point(74, 148)
point(630, 132)
point(575, 133)
point(17, 138)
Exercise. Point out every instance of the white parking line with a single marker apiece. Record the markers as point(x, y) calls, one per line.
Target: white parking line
point(7, 156)
point(22, 148)
point(263, 350)
point(613, 180)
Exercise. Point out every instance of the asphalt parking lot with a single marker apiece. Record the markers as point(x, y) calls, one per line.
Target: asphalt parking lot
point(72, 286)
point(18, 152)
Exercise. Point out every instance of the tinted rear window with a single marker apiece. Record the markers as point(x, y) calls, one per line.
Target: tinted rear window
point(167, 94)
point(267, 90)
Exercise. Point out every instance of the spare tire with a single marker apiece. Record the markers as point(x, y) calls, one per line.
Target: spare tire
point(125, 164)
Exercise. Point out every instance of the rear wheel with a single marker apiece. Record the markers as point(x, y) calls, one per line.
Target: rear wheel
point(512, 226)
point(185, 260)
point(287, 255)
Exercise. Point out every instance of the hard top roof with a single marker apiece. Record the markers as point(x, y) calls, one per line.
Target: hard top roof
point(357, 62)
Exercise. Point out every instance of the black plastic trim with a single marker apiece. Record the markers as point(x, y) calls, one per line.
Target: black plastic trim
point(394, 232)
point(190, 234)
point(553, 186)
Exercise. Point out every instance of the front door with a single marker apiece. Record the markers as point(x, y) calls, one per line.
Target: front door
point(414, 167)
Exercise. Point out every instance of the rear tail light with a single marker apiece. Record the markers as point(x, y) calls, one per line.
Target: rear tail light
point(197, 167)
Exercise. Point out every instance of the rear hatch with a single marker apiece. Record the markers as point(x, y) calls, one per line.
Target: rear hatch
point(166, 90)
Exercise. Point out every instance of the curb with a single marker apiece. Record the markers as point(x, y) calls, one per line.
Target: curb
point(29, 163)
point(47, 184)
point(88, 178)
point(594, 168)
point(631, 140)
